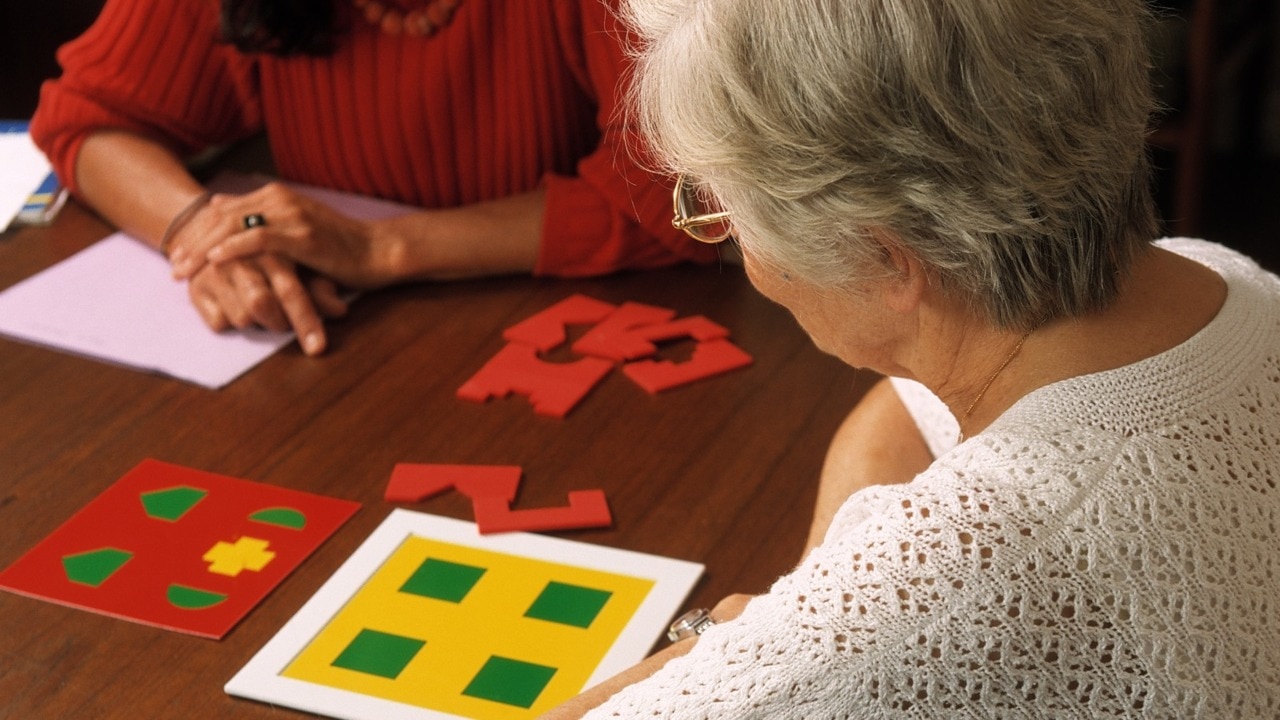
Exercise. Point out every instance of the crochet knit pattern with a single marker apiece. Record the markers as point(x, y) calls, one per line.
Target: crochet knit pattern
point(1107, 548)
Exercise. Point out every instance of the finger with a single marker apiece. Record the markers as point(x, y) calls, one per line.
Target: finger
point(228, 215)
point(298, 307)
point(218, 219)
point(324, 293)
point(183, 264)
point(221, 292)
point(207, 306)
point(256, 299)
point(242, 245)
point(311, 235)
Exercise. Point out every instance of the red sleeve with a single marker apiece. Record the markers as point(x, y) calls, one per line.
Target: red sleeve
point(614, 213)
point(153, 67)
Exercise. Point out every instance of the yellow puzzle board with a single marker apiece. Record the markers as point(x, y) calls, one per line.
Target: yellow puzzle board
point(430, 619)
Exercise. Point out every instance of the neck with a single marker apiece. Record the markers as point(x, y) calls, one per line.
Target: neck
point(982, 376)
point(982, 392)
point(1165, 300)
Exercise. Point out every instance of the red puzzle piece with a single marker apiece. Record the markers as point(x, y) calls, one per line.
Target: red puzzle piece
point(709, 359)
point(547, 329)
point(639, 340)
point(616, 337)
point(177, 548)
point(552, 388)
point(586, 509)
point(413, 482)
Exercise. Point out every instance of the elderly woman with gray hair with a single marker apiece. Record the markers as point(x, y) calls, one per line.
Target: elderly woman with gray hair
point(1064, 502)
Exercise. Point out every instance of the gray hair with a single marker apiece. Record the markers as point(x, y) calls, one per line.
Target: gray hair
point(1001, 141)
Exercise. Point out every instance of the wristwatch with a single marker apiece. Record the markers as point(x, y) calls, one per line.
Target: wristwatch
point(694, 622)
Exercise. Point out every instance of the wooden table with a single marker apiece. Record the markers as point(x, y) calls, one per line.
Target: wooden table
point(720, 472)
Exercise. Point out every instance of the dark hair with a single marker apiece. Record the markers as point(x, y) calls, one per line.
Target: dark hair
point(279, 27)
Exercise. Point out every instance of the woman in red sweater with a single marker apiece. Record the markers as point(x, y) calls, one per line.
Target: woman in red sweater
point(500, 118)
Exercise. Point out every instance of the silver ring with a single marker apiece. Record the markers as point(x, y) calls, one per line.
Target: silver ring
point(253, 220)
point(691, 624)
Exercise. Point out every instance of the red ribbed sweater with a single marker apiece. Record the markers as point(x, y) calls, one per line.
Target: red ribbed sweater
point(510, 95)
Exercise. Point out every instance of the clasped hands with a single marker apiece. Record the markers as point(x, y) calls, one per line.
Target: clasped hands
point(284, 274)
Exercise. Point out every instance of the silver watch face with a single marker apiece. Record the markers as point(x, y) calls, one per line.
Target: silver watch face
point(689, 624)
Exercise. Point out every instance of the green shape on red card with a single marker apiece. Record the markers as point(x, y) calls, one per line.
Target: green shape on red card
point(92, 568)
point(171, 504)
point(166, 553)
point(189, 598)
point(280, 517)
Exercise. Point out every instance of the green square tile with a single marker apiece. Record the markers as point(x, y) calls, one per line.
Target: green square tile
point(378, 653)
point(511, 682)
point(568, 604)
point(442, 580)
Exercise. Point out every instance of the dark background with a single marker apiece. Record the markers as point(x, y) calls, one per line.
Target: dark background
point(1239, 178)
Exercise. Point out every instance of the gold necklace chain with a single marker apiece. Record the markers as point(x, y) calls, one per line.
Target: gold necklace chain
point(982, 393)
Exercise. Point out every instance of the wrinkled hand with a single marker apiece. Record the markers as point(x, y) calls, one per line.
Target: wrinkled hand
point(266, 291)
point(262, 288)
point(297, 228)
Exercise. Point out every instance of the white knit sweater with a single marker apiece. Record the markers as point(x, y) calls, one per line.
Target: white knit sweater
point(1109, 547)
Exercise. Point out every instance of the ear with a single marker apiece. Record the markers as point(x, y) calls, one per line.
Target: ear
point(906, 281)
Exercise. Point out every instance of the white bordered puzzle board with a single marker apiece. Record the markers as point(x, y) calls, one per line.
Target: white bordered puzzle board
point(429, 619)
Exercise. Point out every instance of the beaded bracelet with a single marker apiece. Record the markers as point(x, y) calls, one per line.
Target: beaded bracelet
point(181, 219)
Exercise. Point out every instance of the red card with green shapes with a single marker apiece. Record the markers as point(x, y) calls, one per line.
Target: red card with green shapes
point(178, 548)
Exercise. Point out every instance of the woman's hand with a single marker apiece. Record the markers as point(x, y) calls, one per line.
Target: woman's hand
point(304, 231)
point(142, 187)
point(725, 610)
point(266, 291)
point(261, 285)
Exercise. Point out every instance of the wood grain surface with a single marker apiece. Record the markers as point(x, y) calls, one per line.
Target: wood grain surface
point(721, 472)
